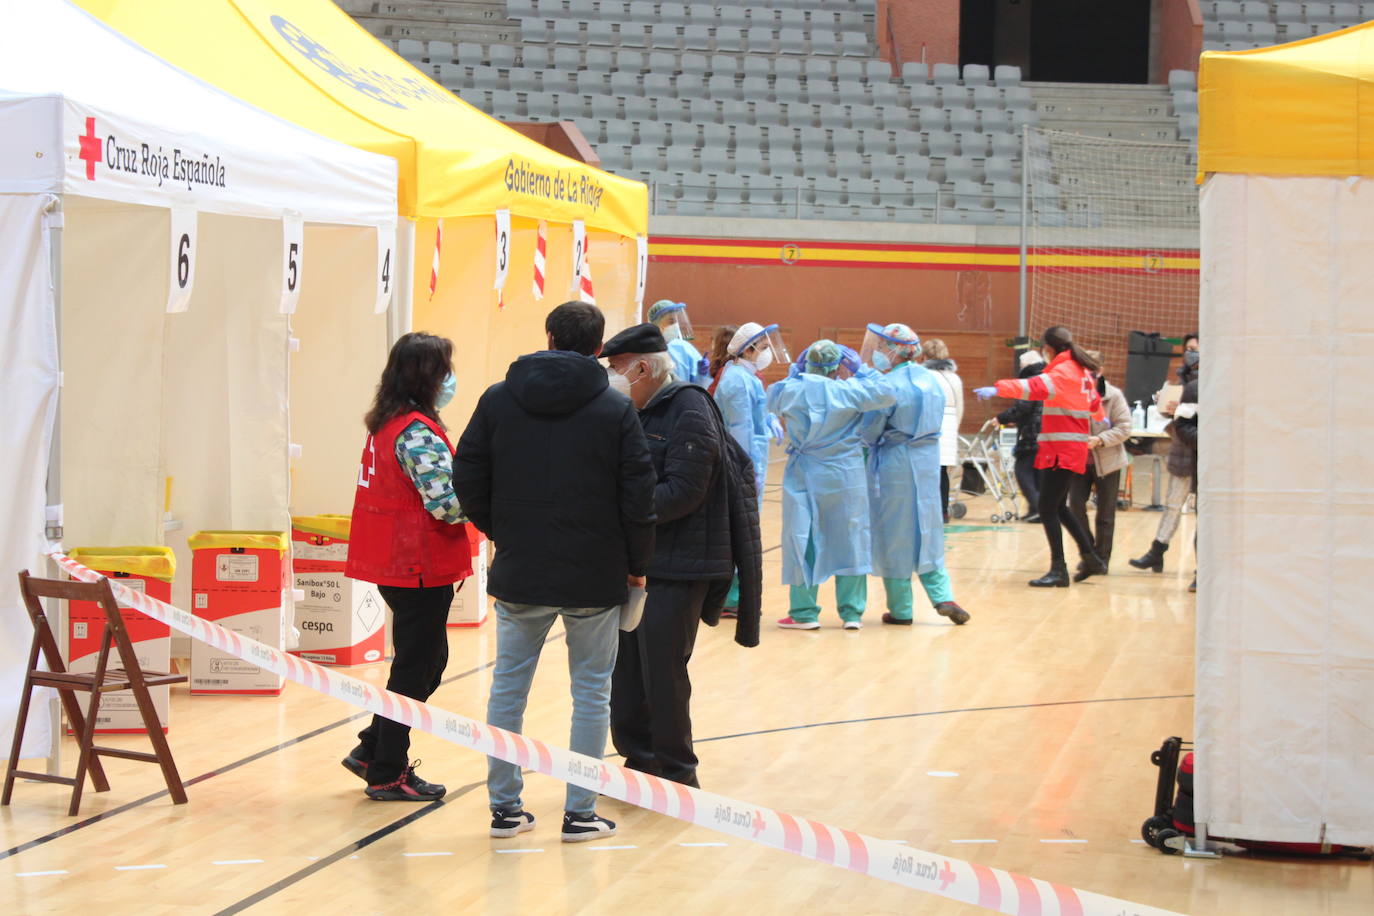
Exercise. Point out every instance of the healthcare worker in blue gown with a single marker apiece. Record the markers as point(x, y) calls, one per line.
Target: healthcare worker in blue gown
point(688, 364)
point(904, 476)
point(825, 524)
point(739, 393)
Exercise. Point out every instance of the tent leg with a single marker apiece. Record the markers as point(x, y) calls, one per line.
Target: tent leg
point(399, 317)
point(57, 610)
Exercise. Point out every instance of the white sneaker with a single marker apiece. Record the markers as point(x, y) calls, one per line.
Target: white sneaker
point(787, 623)
point(853, 625)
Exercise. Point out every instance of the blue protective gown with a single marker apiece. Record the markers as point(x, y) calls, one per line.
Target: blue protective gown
point(686, 362)
point(904, 475)
point(741, 399)
point(825, 487)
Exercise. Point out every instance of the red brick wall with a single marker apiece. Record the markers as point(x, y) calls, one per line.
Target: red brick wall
point(914, 23)
point(1180, 38)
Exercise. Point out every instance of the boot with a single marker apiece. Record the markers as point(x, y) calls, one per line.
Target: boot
point(1057, 577)
point(1090, 565)
point(1153, 559)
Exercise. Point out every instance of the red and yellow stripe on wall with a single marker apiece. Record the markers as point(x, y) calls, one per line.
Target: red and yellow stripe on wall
point(675, 249)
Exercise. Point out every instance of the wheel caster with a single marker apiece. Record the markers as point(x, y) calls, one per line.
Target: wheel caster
point(1170, 841)
point(958, 510)
point(1153, 826)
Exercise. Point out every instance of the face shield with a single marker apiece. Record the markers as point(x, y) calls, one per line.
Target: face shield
point(885, 347)
point(671, 318)
point(767, 348)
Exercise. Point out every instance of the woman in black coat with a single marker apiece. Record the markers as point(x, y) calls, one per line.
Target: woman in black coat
point(1025, 416)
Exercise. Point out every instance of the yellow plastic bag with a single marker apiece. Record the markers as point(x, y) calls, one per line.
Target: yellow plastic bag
point(330, 526)
point(248, 540)
point(149, 562)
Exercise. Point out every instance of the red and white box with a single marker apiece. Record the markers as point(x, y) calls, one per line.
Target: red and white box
point(238, 580)
point(144, 569)
point(342, 620)
point(469, 608)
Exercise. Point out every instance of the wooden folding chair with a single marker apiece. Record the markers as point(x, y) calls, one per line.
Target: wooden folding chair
point(99, 682)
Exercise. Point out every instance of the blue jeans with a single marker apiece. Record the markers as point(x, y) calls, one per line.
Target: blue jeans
point(592, 641)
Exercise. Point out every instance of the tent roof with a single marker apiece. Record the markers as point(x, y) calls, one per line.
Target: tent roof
point(85, 111)
point(309, 62)
point(1305, 108)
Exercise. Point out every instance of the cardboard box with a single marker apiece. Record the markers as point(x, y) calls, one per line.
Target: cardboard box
point(238, 580)
point(342, 621)
point(144, 569)
point(469, 608)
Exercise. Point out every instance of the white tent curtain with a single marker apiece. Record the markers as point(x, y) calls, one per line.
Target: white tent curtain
point(1285, 635)
point(28, 389)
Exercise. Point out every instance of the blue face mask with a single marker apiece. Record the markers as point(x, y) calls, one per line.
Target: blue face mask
point(446, 391)
point(880, 361)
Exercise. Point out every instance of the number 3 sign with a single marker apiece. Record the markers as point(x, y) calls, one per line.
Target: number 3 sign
point(183, 259)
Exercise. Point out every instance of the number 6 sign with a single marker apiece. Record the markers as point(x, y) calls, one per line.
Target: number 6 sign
point(183, 259)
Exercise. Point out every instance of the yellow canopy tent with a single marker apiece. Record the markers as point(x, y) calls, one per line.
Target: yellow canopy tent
point(1305, 108)
point(308, 62)
point(1285, 643)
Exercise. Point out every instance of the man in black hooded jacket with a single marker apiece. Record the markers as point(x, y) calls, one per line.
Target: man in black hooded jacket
point(695, 555)
point(554, 468)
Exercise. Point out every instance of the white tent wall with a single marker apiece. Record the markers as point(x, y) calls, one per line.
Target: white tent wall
point(1285, 634)
point(343, 348)
point(28, 379)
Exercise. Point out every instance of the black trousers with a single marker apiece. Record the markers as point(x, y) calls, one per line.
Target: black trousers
point(944, 491)
point(651, 694)
point(1028, 479)
point(1107, 488)
point(419, 617)
point(1054, 511)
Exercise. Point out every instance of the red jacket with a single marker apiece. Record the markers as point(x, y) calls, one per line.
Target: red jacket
point(1071, 404)
point(393, 539)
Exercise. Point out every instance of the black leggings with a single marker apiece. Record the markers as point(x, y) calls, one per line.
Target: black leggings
point(1054, 492)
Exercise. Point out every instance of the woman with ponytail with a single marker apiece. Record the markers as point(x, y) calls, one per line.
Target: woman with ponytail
point(1068, 386)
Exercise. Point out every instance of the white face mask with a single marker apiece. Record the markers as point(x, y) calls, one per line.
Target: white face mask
point(762, 359)
point(618, 382)
point(672, 332)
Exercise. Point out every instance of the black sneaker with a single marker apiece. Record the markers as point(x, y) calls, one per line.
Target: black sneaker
point(578, 828)
point(355, 762)
point(508, 823)
point(407, 787)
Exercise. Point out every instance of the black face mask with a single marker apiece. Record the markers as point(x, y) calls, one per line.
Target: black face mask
point(1190, 358)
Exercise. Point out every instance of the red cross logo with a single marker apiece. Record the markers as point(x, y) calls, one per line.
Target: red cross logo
point(90, 148)
point(947, 876)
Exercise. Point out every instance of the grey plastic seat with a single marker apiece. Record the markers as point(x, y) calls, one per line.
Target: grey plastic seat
point(787, 68)
point(1230, 11)
point(789, 90)
point(1007, 146)
point(749, 160)
point(817, 68)
point(634, 35)
point(673, 13)
point(642, 11)
point(663, 35)
point(696, 64)
point(956, 97)
point(639, 108)
point(1018, 98)
point(760, 40)
point(734, 17)
point(533, 30)
point(973, 143)
point(567, 59)
point(933, 119)
point(1185, 101)
point(411, 49)
point(520, 8)
point(661, 62)
point(987, 97)
point(541, 106)
point(722, 87)
point(997, 169)
point(560, 81)
point(792, 19)
point(714, 159)
point(849, 71)
point(1254, 11)
point(534, 58)
point(729, 38)
point(791, 41)
point(754, 89)
point(443, 51)
point(1006, 195)
point(944, 74)
point(943, 144)
point(682, 158)
point(567, 32)
point(733, 111)
point(598, 59)
point(968, 194)
point(523, 80)
point(800, 114)
point(589, 83)
point(658, 85)
point(624, 83)
point(963, 119)
point(715, 135)
point(877, 71)
point(864, 116)
point(704, 111)
point(1264, 32)
point(644, 158)
point(976, 75)
point(696, 38)
point(884, 94)
point(768, 113)
point(829, 43)
point(748, 135)
point(914, 72)
point(689, 85)
point(629, 61)
point(487, 78)
point(815, 162)
point(1007, 75)
point(454, 76)
point(887, 167)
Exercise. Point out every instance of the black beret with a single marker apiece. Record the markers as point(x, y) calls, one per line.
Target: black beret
point(642, 338)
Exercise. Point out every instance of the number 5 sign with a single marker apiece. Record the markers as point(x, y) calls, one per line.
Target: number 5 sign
point(292, 250)
point(185, 246)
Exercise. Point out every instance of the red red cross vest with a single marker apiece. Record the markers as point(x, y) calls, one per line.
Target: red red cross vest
point(393, 539)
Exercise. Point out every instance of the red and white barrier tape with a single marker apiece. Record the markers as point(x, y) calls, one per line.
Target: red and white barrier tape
point(928, 872)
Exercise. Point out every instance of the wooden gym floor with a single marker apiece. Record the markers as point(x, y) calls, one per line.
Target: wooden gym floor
point(1019, 741)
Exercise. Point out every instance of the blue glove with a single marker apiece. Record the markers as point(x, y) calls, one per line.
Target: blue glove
point(799, 363)
point(775, 429)
point(704, 367)
point(849, 360)
point(984, 393)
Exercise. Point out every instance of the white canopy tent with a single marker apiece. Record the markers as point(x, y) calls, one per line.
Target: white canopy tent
point(156, 237)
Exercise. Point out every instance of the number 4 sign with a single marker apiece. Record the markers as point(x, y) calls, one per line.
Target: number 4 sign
point(183, 259)
point(386, 265)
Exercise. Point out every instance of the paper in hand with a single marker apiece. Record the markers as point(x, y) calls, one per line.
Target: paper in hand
point(631, 611)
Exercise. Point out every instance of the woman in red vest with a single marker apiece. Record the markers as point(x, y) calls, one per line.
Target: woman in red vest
point(1068, 386)
point(408, 536)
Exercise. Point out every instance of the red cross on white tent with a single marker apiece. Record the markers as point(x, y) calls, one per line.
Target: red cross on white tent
point(90, 148)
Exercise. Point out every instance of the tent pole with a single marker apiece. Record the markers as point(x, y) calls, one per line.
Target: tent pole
point(53, 525)
point(399, 317)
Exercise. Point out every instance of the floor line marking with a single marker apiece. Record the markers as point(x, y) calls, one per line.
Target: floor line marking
point(238, 862)
point(513, 852)
point(37, 874)
point(692, 845)
point(1063, 841)
point(942, 774)
point(418, 855)
point(137, 867)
